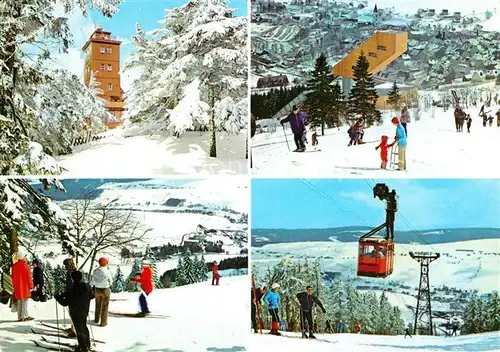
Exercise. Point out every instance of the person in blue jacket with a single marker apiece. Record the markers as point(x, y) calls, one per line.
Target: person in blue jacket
point(401, 140)
point(297, 124)
point(272, 300)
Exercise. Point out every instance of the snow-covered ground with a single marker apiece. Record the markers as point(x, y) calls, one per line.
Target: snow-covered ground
point(201, 317)
point(121, 155)
point(369, 343)
point(434, 149)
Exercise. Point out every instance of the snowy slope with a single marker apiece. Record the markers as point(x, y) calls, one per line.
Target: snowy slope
point(434, 149)
point(119, 155)
point(370, 343)
point(201, 318)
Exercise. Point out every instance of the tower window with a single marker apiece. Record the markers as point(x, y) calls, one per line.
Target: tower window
point(102, 50)
point(372, 54)
point(108, 50)
point(102, 68)
point(110, 68)
point(110, 86)
point(381, 47)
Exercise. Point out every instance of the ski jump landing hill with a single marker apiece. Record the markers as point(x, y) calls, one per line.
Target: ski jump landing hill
point(434, 149)
point(201, 317)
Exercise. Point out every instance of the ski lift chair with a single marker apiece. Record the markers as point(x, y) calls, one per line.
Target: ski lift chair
point(376, 255)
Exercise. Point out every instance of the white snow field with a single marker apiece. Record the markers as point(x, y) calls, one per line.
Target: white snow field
point(120, 154)
point(370, 343)
point(434, 149)
point(201, 317)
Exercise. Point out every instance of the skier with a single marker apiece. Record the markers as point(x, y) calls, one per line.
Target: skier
point(405, 117)
point(356, 132)
point(407, 332)
point(37, 293)
point(469, 122)
point(455, 328)
point(145, 279)
point(78, 298)
point(357, 328)
point(102, 279)
point(215, 274)
point(384, 151)
point(22, 285)
point(70, 267)
point(391, 209)
point(297, 120)
point(259, 293)
point(306, 301)
point(329, 328)
point(498, 117)
point(401, 140)
point(272, 300)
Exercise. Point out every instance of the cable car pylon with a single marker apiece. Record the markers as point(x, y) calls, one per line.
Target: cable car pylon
point(424, 292)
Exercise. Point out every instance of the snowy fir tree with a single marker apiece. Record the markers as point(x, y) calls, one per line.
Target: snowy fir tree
point(23, 207)
point(201, 269)
point(48, 275)
point(131, 286)
point(324, 100)
point(197, 64)
point(363, 96)
point(28, 28)
point(180, 277)
point(118, 284)
point(59, 279)
point(394, 97)
point(482, 315)
point(150, 257)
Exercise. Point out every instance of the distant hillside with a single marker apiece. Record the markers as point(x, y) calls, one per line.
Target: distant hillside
point(262, 237)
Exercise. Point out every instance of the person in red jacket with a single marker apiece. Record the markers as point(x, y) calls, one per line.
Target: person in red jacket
point(22, 284)
point(383, 151)
point(145, 279)
point(215, 274)
point(357, 328)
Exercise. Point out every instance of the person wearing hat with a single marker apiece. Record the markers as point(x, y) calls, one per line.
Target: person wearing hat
point(307, 300)
point(77, 298)
point(297, 124)
point(37, 293)
point(22, 285)
point(145, 279)
point(401, 140)
point(272, 300)
point(405, 117)
point(102, 279)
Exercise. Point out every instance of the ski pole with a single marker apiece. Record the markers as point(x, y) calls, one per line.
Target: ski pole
point(286, 139)
point(57, 324)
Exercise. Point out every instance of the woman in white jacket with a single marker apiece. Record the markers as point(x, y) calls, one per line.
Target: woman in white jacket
point(102, 279)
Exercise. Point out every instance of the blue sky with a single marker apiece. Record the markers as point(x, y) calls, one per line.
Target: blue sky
point(425, 203)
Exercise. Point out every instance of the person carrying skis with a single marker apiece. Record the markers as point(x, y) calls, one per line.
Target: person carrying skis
point(405, 117)
point(407, 332)
point(145, 279)
point(297, 124)
point(391, 209)
point(384, 147)
point(356, 132)
point(307, 301)
point(22, 285)
point(37, 293)
point(401, 140)
point(77, 299)
point(259, 293)
point(215, 274)
point(469, 122)
point(102, 279)
point(272, 300)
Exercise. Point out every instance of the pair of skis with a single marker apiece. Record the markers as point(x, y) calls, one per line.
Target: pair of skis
point(55, 343)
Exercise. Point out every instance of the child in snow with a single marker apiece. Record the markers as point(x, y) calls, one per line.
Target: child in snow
point(384, 147)
point(469, 122)
point(215, 274)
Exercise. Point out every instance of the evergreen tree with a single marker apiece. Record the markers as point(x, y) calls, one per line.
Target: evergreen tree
point(363, 96)
point(324, 97)
point(59, 279)
point(48, 275)
point(180, 276)
point(202, 269)
point(189, 268)
point(150, 257)
point(394, 98)
point(497, 82)
point(469, 318)
point(131, 286)
point(118, 282)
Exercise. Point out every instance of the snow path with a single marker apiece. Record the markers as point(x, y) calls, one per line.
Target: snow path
point(201, 318)
point(434, 149)
point(369, 343)
point(145, 156)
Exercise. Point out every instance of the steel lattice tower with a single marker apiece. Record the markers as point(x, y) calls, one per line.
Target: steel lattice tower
point(423, 309)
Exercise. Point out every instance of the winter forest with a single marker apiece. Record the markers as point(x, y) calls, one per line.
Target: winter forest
point(192, 77)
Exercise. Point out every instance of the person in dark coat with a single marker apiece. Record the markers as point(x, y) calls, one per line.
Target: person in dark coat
point(297, 124)
point(37, 293)
point(78, 298)
point(455, 328)
point(70, 266)
point(469, 122)
point(390, 211)
point(356, 132)
point(407, 333)
point(259, 293)
point(307, 301)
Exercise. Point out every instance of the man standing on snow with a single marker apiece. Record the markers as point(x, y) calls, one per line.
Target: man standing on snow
point(215, 274)
point(306, 301)
point(407, 332)
point(272, 300)
point(102, 279)
point(37, 293)
point(145, 279)
point(259, 293)
point(401, 140)
point(297, 124)
point(22, 285)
